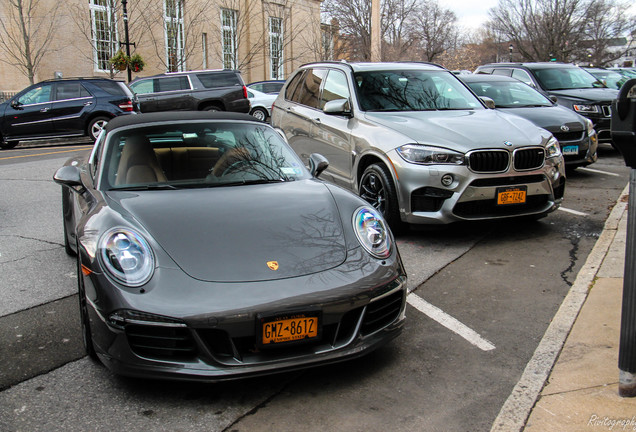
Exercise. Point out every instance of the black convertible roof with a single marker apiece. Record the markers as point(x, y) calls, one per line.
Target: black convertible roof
point(175, 116)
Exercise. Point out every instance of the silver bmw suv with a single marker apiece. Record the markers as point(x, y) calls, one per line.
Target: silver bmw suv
point(417, 144)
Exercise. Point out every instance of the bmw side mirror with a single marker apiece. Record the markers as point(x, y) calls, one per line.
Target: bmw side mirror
point(488, 102)
point(68, 176)
point(337, 107)
point(317, 164)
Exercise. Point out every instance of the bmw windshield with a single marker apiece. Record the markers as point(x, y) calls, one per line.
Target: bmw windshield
point(197, 154)
point(412, 90)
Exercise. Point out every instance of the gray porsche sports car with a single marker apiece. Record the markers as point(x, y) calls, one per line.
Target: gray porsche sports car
point(207, 251)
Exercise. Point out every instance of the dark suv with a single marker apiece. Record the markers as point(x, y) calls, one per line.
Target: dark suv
point(63, 108)
point(572, 86)
point(207, 90)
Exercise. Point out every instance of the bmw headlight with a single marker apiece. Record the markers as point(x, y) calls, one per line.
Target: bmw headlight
point(585, 109)
point(428, 155)
point(126, 256)
point(372, 232)
point(552, 148)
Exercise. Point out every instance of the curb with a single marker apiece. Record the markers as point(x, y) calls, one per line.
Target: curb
point(516, 410)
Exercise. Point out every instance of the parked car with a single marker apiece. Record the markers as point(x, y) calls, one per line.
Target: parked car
point(261, 104)
point(269, 87)
point(63, 108)
point(611, 79)
point(206, 251)
point(416, 143)
point(626, 72)
point(206, 90)
point(575, 133)
point(573, 87)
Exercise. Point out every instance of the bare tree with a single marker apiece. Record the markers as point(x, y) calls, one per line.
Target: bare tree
point(605, 22)
point(435, 29)
point(540, 29)
point(26, 30)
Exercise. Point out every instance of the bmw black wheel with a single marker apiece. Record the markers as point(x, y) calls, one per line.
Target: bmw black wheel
point(376, 187)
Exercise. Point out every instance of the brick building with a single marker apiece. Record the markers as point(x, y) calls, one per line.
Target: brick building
point(264, 39)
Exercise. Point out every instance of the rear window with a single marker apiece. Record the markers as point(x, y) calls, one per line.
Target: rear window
point(219, 79)
point(110, 87)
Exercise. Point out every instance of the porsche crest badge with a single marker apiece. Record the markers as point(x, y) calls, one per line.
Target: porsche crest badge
point(273, 265)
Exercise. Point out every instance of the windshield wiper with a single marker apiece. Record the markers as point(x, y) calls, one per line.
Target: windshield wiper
point(252, 182)
point(146, 187)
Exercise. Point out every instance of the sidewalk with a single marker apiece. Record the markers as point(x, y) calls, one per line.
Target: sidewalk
point(581, 392)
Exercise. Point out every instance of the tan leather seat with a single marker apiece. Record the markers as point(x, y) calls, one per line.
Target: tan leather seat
point(138, 163)
point(229, 158)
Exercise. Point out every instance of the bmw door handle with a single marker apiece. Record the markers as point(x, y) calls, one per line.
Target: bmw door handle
point(316, 121)
point(44, 110)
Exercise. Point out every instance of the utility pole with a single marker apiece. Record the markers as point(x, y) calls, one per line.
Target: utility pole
point(375, 31)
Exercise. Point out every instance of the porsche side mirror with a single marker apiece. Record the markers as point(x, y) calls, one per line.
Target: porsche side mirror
point(317, 164)
point(488, 102)
point(68, 176)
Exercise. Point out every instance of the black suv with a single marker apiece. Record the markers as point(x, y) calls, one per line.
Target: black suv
point(207, 90)
point(572, 86)
point(63, 108)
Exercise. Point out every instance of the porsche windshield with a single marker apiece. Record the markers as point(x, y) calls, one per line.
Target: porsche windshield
point(412, 90)
point(197, 154)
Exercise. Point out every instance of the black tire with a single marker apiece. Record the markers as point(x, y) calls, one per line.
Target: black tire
point(7, 145)
point(212, 107)
point(377, 188)
point(95, 126)
point(85, 323)
point(65, 211)
point(259, 114)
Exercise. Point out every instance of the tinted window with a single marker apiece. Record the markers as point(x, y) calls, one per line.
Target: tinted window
point(70, 90)
point(522, 76)
point(308, 90)
point(39, 94)
point(219, 79)
point(290, 91)
point(111, 87)
point(142, 87)
point(336, 87)
point(171, 84)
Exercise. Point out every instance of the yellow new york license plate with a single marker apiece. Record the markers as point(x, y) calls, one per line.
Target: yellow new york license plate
point(512, 195)
point(289, 329)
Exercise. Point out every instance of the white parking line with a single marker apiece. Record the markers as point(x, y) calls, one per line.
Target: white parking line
point(449, 322)
point(574, 212)
point(599, 172)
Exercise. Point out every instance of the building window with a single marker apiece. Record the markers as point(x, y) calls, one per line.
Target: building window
point(276, 48)
point(173, 20)
point(104, 33)
point(228, 38)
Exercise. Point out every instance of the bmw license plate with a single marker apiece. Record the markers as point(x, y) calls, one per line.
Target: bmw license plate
point(289, 328)
point(571, 150)
point(511, 195)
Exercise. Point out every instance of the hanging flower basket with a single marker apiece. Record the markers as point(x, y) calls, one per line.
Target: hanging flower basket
point(119, 61)
point(136, 63)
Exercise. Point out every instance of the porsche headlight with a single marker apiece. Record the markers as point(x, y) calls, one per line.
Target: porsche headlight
point(552, 148)
point(372, 232)
point(421, 154)
point(585, 109)
point(126, 256)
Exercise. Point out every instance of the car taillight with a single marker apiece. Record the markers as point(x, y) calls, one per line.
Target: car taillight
point(126, 106)
point(245, 92)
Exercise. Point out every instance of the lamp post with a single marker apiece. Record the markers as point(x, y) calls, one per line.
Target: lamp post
point(510, 47)
point(127, 40)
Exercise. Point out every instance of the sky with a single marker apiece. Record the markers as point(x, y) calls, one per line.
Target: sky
point(470, 13)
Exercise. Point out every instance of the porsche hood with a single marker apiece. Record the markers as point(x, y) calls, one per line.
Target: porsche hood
point(243, 233)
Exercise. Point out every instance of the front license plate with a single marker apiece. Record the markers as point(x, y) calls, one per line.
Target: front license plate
point(291, 328)
point(511, 195)
point(571, 150)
